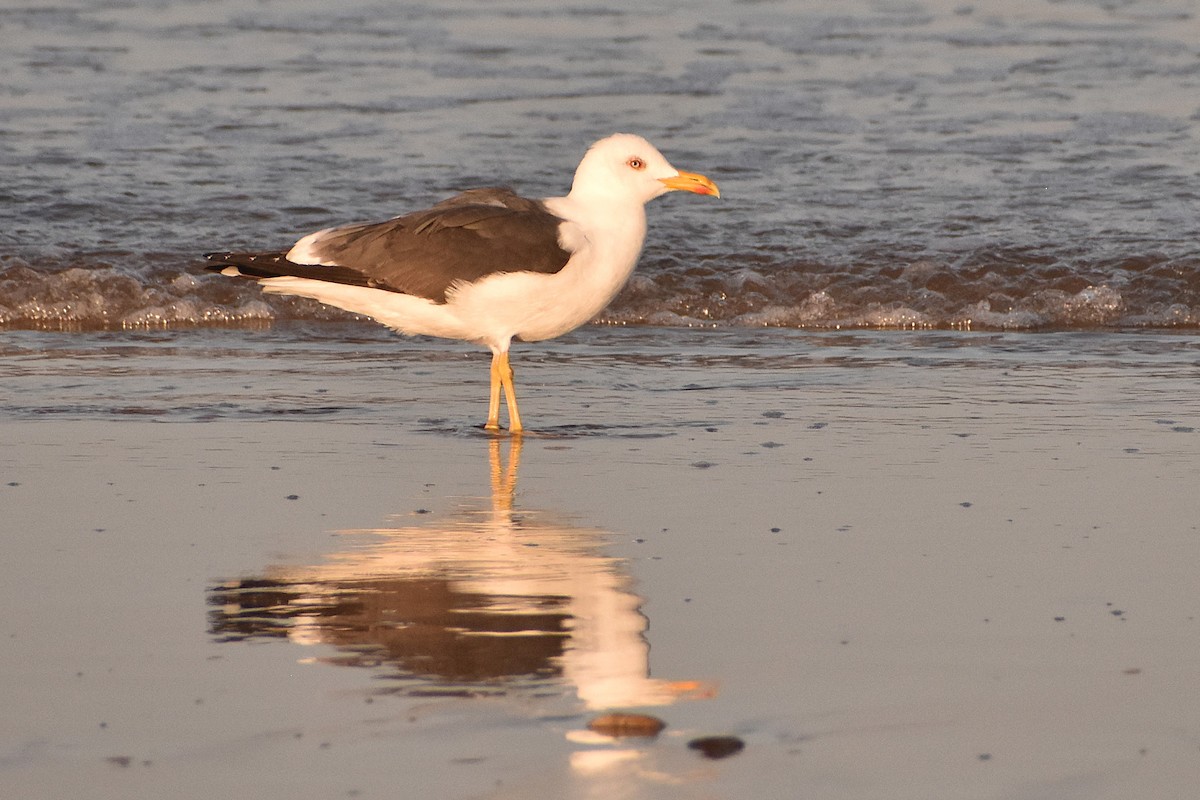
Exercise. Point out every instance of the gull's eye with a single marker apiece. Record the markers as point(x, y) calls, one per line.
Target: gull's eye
point(636, 163)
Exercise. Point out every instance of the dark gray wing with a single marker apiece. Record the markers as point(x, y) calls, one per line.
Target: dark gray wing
point(476, 233)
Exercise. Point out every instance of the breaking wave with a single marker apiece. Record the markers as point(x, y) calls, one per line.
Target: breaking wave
point(992, 291)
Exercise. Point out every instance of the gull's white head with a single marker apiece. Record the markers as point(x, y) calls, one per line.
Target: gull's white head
point(625, 167)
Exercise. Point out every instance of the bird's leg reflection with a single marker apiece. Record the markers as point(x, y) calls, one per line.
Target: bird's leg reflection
point(504, 479)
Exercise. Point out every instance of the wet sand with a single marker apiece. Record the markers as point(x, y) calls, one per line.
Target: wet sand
point(285, 564)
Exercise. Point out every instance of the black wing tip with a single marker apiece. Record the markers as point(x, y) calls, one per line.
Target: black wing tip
point(237, 258)
point(258, 266)
point(250, 262)
point(216, 262)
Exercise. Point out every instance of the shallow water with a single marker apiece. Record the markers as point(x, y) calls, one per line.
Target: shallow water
point(362, 374)
point(933, 164)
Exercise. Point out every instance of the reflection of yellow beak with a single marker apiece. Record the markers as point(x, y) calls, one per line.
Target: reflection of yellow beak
point(691, 182)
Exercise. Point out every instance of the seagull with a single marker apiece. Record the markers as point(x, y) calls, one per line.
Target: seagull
point(486, 266)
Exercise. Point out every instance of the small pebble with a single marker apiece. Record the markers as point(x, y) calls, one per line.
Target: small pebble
point(717, 746)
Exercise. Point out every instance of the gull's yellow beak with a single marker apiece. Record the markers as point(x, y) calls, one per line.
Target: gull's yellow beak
point(691, 182)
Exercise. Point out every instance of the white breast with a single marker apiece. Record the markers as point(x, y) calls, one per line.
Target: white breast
point(533, 306)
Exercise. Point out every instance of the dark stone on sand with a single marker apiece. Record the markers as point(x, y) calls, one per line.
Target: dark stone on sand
point(717, 746)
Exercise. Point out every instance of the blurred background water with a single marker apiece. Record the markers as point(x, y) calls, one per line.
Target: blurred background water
point(998, 164)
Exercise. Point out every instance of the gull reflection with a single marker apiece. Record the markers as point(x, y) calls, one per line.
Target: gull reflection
point(490, 600)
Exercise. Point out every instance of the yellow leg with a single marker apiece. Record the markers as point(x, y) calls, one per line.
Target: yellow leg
point(493, 420)
point(510, 394)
